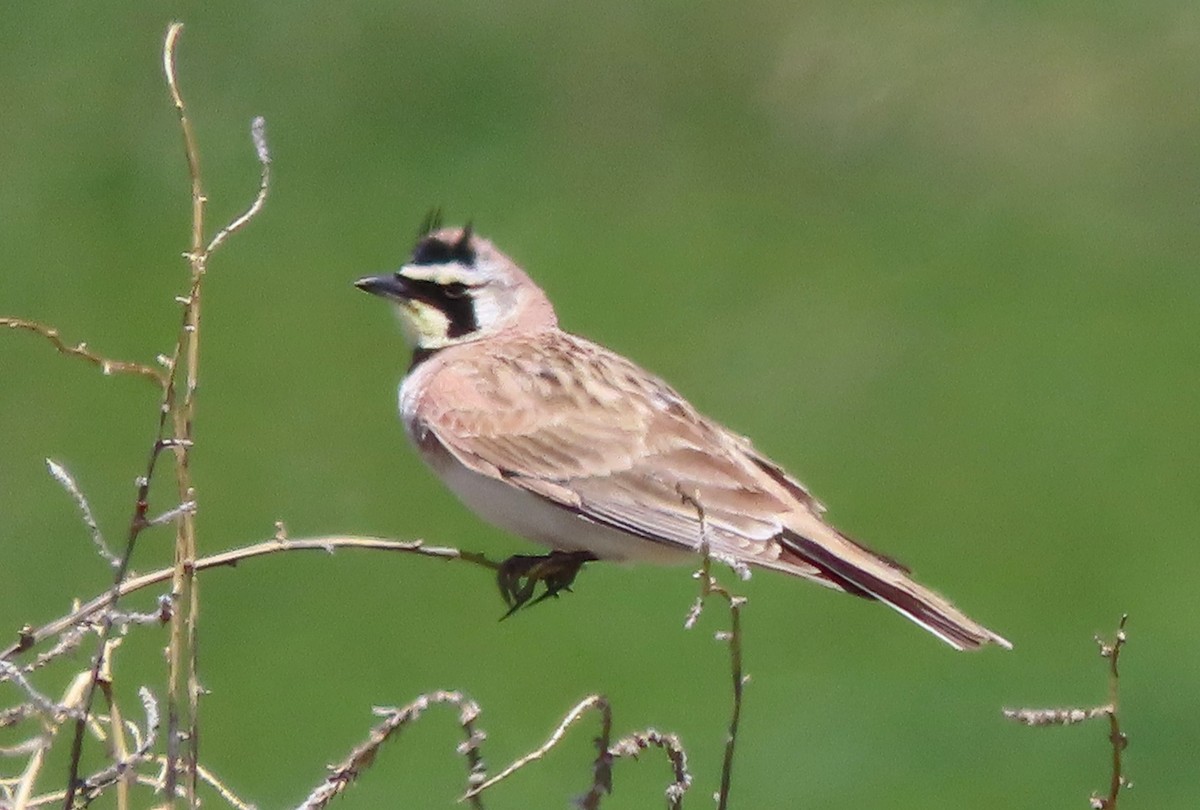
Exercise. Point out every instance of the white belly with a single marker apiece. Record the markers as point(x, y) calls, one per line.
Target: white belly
point(536, 519)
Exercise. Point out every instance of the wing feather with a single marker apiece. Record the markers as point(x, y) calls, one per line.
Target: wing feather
point(590, 431)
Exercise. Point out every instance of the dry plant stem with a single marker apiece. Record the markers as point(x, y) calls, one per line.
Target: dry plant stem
point(210, 779)
point(120, 751)
point(633, 744)
point(177, 413)
point(81, 350)
point(708, 587)
point(74, 698)
point(40, 703)
point(601, 781)
point(1116, 737)
point(1073, 715)
point(31, 637)
point(184, 641)
point(156, 783)
point(16, 714)
point(183, 587)
point(363, 756)
point(64, 477)
point(123, 767)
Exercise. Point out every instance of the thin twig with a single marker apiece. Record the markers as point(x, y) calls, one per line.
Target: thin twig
point(73, 698)
point(363, 756)
point(602, 778)
point(30, 637)
point(106, 365)
point(710, 587)
point(258, 134)
point(14, 715)
point(1117, 738)
point(1068, 716)
point(633, 744)
point(187, 507)
point(145, 780)
point(178, 413)
point(24, 749)
point(1072, 715)
point(210, 779)
point(471, 747)
point(67, 642)
point(184, 625)
point(64, 477)
point(181, 650)
point(53, 712)
point(125, 763)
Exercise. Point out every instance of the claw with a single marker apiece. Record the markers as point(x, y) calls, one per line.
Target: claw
point(520, 574)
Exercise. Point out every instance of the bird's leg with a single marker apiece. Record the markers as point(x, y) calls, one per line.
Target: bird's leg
point(520, 574)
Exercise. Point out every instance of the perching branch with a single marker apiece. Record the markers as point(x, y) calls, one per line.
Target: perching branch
point(29, 637)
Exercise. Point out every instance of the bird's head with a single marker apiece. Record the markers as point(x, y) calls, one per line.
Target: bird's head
point(457, 287)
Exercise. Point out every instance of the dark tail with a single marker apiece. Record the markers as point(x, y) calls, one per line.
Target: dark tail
point(860, 571)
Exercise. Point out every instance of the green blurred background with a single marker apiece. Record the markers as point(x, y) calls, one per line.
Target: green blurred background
point(937, 258)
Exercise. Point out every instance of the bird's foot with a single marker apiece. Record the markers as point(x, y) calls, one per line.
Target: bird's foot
point(520, 574)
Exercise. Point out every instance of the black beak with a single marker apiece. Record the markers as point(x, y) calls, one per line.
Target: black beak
point(389, 286)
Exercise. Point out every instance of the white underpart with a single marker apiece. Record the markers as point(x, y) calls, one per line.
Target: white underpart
point(539, 520)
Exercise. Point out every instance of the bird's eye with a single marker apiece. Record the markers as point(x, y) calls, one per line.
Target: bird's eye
point(455, 289)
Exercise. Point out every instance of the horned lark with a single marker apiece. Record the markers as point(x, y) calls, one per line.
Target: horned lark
point(573, 446)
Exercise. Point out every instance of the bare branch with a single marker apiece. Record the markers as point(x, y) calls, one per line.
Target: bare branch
point(258, 134)
point(1116, 738)
point(73, 699)
point(710, 587)
point(191, 151)
point(176, 417)
point(633, 744)
point(16, 714)
point(210, 779)
point(1056, 717)
point(1111, 651)
point(53, 712)
point(97, 782)
point(68, 640)
point(169, 516)
point(363, 756)
point(602, 779)
point(24, 749)
point(31, 637)
point(106, 365)
point(63, 476)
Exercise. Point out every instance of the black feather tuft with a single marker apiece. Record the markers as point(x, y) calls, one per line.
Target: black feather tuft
point(463, 245)
point(433, 249)
point(431, 223)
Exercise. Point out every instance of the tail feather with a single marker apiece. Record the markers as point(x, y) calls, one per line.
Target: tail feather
point(860, 571)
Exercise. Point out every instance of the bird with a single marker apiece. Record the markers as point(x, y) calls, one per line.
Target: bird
point(569, 444)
